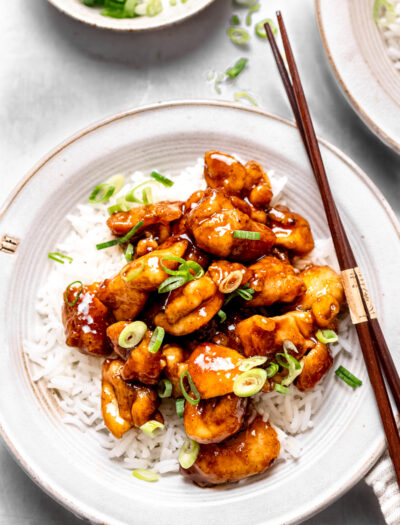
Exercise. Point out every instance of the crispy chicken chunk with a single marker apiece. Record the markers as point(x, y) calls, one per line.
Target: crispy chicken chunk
point(159, 213)
point(153, 236)
point(291, 229)
point(190, 307)
point(214, 369)
point(215, 218)
point(213, 420)
point(86, 321)
point(142, 365)
point(324, 294)
point(315, 365)
point(113, 333)
point(175, 357)
point(127, 297)
point(249, 452)
point(273, 281)
point(224, 171)
point(123, 405)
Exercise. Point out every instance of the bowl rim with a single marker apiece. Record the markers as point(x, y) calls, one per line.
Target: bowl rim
point(39, 478)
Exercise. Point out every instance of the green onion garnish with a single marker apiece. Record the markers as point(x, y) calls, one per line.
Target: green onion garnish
point(133, 275)
point(252, 10)
point(222, 316)
point(171, 284)
point(161, 178)
point(193, 389)
point(58, 257)
point(121, 240)
point(156, 340)
point(101, 193)
point(181, 271)
point(294, 367)
point(188, 453)
point(242, 94)
point(250, 382)
point(281, 389)
point(348, 377)
point(77, 296)
point(242, 234)
point(180, 406)
point(145, 475)
point(238, 36)
point(252, 362)
point(164, 388)
point(131, 197)
point(235, 70)
point(121, 205)
point(118, 181)
point(235, 20)
point(244, 292)
point(152, 428)
point(132, 334)
point(260, 29)
point(272, 369)
point(327, 336)
point(218, 81)
point(384, 8)
point(147, 196)
point(180, 276)
point(129, 252)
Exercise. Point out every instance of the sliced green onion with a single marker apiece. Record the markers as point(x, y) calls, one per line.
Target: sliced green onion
point(197, 268)
point(252, 362)
point(133, 275)
point(222, 316)
point(242, 234)
point(121, 205)
point(129, 252)
point(154, 7)
point(132, 334)
point(327, 336)
point(218, 81)
point(289, 346)
point(272, 369)
point(245, 294)
point(235, 70)
point(260, 29)
point(281, 389)
point(180, 406)
point(121, 240)
point(145, 475)
point(242, 94)
point(250, 382)
point(193, 389)
point(348, 377)
point(171, 284)
point(58, 257)
point(161, 178)
point(152, 428)
point(235, 20)
point(252, 10)
point(77, 296)
point(188, 453)
point(384, 8)
point(130, 8)
point(117, 181)
point(181, 272)
point(164, 388)
point(147, 196)
point(131, 197)
point(238, 36)
point(156, 340)
point(293, 366)
point(101, 193)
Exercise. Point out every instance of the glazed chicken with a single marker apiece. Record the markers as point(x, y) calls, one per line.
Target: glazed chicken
point(315, 365)
point(249, 452)
point(292, 231)
point(175, 364)
point(86, 321)
point(125, 405)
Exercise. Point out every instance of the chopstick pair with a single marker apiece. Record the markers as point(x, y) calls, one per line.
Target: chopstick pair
point(375, 350)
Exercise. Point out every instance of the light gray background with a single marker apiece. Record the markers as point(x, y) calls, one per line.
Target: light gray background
point(58, 75)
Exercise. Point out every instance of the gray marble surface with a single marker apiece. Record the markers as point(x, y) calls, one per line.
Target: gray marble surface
point(57, 76)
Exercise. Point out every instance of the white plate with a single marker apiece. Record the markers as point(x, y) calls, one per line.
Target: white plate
point(71, 466)
point(169, 16)
point(357, 54)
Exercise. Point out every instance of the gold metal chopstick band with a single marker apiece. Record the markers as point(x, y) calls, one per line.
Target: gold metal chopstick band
point(353, 296)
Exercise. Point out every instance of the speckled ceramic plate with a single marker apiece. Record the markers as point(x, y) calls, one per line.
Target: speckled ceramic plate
point(169, 16)
point(356, 51)
point(71, 466)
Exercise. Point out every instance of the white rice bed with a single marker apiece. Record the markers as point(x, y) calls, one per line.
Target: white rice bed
point(391, 35)
point(76, 378)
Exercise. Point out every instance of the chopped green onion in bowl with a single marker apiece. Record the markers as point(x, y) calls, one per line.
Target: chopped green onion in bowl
point(132, 334)
point(260, 29)
point(59, 257)
point(193, 389)
point(156, 340)
point(348, 377)
point(164, 388)
point(235, 70)
point(238, 36)
point(327, 336)
point(160, 178)
point(384, 13)
point(152, 428)
point(250, 382)
point(145, 475)
point(188, 453)
point(180, 406)
point(252, 362)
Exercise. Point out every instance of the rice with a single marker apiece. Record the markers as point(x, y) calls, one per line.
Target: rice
point(75, 379)
point(391, 36)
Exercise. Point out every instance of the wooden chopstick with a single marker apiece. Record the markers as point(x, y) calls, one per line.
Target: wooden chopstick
point(363, 315)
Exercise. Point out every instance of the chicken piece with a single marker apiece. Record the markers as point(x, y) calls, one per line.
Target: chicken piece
point(265, 335)
point(142, 365)
point(127, 298)
point(213, 420)
point(249, 452)
point(190, 307)
point(324, 294)
point(226, 275)
point(291, 229)
point(113, 333)
point(273, 281)
point(315, 365)
point(224, 171)
point(159, 213)
point(226, 333)
point(213, 221)
point(175, 358)
point(86, 321)
point(123, 405)
point(214, 369)
point(153, 237)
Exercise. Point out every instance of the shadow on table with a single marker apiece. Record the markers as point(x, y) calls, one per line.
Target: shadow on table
point(140, 49)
